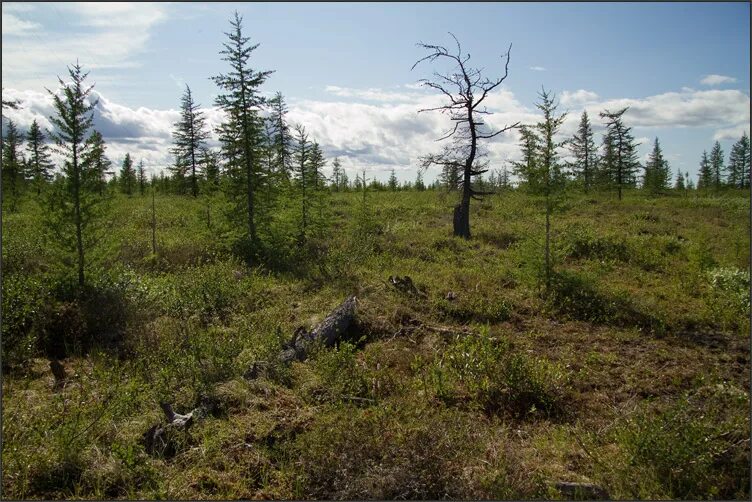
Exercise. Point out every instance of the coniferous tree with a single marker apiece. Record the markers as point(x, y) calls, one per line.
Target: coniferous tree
point(716, 166)
point(39, 163)
point(344, 181)
point(211, 169)
point(739, 161)
point(189, 136)
point(680, 185)
point(13, 165)
point(622, 163)
point(281, 138)
point(549, 168)
point(241, 100)
point(527, 168)
point(141, 175)
point(393, 185)
point(690, 181)
point(75, 212)
point(585, 153)
point(336, 174)
point(419, 185)
point(95, 162)
point(705, 178)
point(657, 171)
point(127, 175)
point(305, 179)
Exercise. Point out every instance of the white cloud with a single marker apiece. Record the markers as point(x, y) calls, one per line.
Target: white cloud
point(537, 68)
point(713, 80)
point(113, 37)
point(578, 97)
point(731, 133)
point(368, 131)
point(15, 26)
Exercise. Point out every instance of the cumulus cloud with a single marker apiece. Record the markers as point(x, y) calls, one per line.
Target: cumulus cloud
point(713, 80)
point(367, 131)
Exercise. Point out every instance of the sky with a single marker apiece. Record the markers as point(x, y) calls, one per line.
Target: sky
point(345, 70)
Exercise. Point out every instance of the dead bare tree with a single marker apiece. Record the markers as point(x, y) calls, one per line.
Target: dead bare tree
point(465, 88)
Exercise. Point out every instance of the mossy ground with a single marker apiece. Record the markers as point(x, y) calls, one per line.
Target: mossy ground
point(632, 373)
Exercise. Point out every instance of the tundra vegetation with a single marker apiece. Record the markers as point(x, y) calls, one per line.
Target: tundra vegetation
point(588, 339)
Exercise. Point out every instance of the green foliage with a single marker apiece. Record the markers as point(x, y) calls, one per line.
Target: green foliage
point(692, 449)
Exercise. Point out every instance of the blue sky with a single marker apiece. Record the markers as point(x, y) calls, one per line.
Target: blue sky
point(345, 68)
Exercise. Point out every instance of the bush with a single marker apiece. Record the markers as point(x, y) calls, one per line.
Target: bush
point(697, 447)
point(499, 380)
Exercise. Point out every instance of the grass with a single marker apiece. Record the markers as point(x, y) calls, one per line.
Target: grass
point(632, 373)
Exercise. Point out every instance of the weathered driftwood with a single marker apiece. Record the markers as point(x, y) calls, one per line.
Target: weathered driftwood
point(582, 490)
point(327, 332)
point(58, 371)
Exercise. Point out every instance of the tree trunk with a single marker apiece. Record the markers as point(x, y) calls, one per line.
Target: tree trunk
point(548, 245)
point(462, 220)
point(77, 216)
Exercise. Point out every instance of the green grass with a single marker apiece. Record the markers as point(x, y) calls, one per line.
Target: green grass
point(631, 374)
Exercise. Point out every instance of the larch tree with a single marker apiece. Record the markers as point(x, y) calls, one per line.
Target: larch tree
point(465, 89)
point(189, 136)
point(13, 165)
point(75, 213)
point(623, 163)
point(127, 175)
point(716, 166)
point(549, 166)
point(582, 146)
point(657, 171)
point(241, 100)
point(39, 162)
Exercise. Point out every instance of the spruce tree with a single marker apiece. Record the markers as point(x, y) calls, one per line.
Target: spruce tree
point(738, 166)
point(622, 163)
point(304, 178)
point(241, 100)
point(657, 171)
point(281, 138)
point(39, 162)
point(419, 185)
point(336, 174)
point(141, 176)
point(585, 153)
point(127, 175)
point(705, 177)
point(95, 162)
point(527, 168)
point(189, 136)
point(680, 186)
point(392, 181)
point(13, 165)
point(690, 181)
point(716, 165)
point(75, 213)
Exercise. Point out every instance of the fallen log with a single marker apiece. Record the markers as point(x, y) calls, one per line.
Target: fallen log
point(582, 491)
point(327, 332)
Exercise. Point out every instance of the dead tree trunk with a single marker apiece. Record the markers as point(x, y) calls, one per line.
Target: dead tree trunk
point(326, 333)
